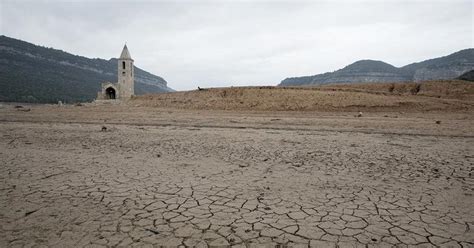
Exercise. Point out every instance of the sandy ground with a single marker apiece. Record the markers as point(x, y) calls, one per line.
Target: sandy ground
point(165, 177)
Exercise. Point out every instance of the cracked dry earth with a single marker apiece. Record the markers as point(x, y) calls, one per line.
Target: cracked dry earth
point(71, 185)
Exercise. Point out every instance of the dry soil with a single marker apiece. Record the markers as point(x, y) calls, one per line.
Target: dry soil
point(170, 177)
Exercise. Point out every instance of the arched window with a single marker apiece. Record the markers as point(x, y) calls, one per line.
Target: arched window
point(123, 65)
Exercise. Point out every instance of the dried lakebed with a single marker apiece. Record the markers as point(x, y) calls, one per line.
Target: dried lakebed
point(73, 185)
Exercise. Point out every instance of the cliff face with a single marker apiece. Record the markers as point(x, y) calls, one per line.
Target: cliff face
point(450, 72)
point(31, 73)
point(364, 71)
point(447, 67)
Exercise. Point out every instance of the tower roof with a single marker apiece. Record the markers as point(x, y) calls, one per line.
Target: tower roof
point(125, 53)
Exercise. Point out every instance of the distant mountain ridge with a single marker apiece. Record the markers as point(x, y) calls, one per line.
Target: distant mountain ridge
point(31, 73)
point(371, 71)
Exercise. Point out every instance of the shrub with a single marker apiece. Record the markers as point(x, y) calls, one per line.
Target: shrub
point(416, 88)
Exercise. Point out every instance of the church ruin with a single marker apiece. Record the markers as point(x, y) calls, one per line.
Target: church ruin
point(124, 88)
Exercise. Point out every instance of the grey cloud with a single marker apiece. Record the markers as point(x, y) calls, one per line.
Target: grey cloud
point(218, 43)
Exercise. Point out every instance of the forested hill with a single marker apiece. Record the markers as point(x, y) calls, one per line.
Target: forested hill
point(31, 73)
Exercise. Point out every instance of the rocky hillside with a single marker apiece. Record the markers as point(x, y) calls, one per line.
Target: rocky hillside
point(366, 71)
point(31, 73)
point(468, 76)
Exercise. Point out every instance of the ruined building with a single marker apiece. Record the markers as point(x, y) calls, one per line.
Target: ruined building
point(123, 89)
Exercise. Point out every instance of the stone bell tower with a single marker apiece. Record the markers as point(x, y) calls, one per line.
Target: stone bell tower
point(125, 74)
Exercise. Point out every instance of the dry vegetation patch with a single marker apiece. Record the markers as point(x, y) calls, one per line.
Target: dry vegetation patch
point(441, 95)
point(451, 89)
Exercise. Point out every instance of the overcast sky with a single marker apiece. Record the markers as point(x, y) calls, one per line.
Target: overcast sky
point(224, 43)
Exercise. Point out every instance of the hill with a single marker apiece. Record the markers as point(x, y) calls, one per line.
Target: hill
point(468, 76)
point(429, 96)
point(364, 71)
point(31, 73)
